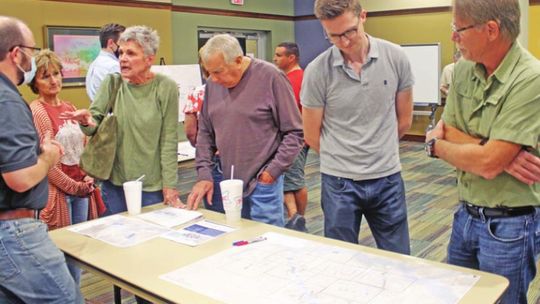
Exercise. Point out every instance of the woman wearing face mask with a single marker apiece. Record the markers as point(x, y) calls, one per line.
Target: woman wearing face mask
point(70, 199)
point(146, 108)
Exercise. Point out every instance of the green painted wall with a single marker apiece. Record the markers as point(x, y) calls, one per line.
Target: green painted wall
point(185, 26)
point(277, 7)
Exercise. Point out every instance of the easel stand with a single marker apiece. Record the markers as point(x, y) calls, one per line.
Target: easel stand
point(430, 113)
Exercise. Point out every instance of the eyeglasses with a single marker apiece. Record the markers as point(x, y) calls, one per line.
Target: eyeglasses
point(458, 31)
point(348, 34)
point(34, 49)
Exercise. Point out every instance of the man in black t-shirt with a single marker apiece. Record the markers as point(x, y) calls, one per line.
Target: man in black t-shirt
point(32, 269)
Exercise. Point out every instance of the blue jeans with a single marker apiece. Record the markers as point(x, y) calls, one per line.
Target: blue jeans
point(506, 246)
point(115, 201)
point(217, 175)
point(78, 208)
point(32, 269)
point(78, 213)
point(265, 203)
point(381, 201)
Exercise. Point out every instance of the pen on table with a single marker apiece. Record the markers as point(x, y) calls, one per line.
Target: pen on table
point(182, 154)
point(246, 242)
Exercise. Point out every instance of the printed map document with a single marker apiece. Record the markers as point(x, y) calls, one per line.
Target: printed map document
point(290, 270)
point(198, 233)
point(171, 217)
point(119, 230)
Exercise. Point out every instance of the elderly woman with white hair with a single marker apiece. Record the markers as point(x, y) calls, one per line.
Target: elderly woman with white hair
point(146, 107)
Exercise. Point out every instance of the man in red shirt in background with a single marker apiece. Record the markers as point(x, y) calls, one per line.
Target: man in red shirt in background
point(286, 58)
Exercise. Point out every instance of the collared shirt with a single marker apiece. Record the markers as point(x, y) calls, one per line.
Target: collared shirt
point(19, 148)
point(359, 135)
point(104, 64)
point(505, 106)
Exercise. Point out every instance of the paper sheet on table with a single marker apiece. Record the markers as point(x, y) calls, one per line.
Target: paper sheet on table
point(119, 230)
point(185, 151)
point(198, 233)
point(171, 217)
point(291, 270)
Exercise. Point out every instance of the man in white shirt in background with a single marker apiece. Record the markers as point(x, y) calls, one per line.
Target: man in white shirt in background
point(107, 60)
point(446, 76)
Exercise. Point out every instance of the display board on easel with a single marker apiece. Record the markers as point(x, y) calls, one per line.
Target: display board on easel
point(186, 76)
point(425, 60)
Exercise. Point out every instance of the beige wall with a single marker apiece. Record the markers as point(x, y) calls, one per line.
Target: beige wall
point(378, 5)
point(37, 14)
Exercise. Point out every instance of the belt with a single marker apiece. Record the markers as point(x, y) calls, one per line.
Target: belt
point(17, 214)
point(476, 211)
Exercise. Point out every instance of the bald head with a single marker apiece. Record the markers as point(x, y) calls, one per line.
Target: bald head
point(13, 32)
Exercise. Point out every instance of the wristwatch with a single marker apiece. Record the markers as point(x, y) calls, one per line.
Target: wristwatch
point(430, 147)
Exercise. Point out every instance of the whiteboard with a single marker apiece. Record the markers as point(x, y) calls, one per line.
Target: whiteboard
point(425, 62)
point(186, 76)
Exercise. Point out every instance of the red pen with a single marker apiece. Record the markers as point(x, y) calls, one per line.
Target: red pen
point(245, 242)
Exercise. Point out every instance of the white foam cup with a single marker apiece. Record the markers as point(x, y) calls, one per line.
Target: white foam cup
point(133, 194)
point(231, 195)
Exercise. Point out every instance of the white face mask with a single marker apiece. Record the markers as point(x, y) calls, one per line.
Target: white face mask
point(28, 75)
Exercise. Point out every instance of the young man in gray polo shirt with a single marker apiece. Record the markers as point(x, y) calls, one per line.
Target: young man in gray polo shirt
point(357, 99)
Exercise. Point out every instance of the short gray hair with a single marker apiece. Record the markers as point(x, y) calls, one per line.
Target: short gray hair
point(330, 9)
point(505, 12)
point(224, 44)
point(145, 36)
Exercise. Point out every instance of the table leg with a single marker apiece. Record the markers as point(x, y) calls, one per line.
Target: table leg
point(117, 295)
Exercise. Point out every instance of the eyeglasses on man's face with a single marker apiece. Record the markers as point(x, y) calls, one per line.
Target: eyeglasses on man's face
point(348, 34)
point(460, 30)
point(34, 50)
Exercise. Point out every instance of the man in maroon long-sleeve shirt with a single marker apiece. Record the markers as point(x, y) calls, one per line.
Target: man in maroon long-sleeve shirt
point(249, 114)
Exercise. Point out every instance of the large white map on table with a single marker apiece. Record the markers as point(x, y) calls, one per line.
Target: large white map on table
point(286, 269)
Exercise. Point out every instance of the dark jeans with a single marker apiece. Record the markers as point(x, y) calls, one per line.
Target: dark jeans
point(217, 175)
point(381, 201)
point(114, 199)
point(508, 246)
point(78, 213)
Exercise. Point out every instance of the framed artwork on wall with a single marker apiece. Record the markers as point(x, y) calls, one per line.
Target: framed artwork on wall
point(77, 47)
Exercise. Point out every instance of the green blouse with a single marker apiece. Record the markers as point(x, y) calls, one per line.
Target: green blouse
point(147, 131)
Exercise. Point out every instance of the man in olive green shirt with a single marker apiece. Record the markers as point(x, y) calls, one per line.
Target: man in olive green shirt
point(489, 131)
